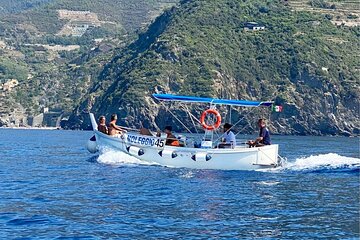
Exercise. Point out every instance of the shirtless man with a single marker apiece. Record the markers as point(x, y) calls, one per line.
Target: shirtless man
point(102, 125)
point(113, 128)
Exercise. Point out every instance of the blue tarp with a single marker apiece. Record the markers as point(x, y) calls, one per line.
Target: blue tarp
point(242, 103)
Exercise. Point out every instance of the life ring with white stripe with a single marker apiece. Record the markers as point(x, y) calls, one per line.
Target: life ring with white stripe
point(215, 125)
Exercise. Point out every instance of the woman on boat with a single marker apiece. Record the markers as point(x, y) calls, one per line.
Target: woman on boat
point(114, 129)
point(102, 125)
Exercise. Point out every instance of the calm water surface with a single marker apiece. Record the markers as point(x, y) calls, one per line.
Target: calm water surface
point(52, 188)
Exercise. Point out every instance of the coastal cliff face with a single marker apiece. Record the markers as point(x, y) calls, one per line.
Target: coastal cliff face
point(300, 60)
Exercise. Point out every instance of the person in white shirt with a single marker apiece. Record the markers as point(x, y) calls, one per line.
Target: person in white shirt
point(228, 138)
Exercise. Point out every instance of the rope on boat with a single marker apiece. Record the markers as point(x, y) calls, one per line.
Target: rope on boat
point(281, 160)
point(192, 117)
point(167, 109)
point(259, 148)
point(234, 126)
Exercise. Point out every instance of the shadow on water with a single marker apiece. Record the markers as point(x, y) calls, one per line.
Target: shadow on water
point(93, 159)
point(351, 169)
point(29, 221)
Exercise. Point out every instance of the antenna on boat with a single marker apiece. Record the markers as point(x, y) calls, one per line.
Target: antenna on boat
point(230, 113)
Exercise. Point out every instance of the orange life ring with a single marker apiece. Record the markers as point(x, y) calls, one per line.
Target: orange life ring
point(216, 124)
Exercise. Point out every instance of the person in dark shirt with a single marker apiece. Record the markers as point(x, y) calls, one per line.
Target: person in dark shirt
point(264, 135)
point(102, 125)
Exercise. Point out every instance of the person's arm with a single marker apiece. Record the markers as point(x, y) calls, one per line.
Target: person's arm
point(223, 138)
point(261, 137)
point(158, 133)
point(233, 139)
point(116, 127)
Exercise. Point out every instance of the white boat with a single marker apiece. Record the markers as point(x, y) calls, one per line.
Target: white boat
point(206, 156)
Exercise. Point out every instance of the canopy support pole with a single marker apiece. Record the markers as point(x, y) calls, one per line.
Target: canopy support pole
point(167, 109)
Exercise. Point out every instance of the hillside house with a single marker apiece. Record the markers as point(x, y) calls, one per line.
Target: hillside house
point(253, 26)
point(48, 118)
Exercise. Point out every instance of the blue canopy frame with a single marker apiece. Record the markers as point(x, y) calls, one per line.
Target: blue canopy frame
point(240, 103)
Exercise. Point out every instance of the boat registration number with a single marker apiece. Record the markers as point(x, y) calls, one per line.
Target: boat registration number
point(146, 141)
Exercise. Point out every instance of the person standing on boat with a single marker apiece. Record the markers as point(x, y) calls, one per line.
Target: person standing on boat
point(113, 128)
point(264, 135)
point(102, 125)
point(228, 138)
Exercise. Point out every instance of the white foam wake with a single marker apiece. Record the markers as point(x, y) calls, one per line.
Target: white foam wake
point(117, 158)
point(322, 161)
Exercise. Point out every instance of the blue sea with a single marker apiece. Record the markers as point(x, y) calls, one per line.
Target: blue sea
point(52, 188)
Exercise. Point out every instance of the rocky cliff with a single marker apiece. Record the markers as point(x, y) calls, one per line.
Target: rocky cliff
point(202, 48)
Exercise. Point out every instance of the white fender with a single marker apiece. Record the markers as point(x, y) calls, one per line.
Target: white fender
point(201, 157)
point(168, 154)
point(135, 151)
point(91, 145)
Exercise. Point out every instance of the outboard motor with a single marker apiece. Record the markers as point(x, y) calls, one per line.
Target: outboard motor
point(91, 145)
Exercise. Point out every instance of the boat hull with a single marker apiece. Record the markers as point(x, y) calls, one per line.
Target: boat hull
point(153, 150)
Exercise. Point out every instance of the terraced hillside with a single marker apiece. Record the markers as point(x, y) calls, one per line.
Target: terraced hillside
point(300, 60)
point(131, 15)
point(56, 48)
point(340, 12)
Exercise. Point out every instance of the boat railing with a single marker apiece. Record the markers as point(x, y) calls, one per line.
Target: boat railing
point(185, 142)
point(239, 144)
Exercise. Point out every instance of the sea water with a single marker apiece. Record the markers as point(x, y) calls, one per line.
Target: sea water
point(52, 188)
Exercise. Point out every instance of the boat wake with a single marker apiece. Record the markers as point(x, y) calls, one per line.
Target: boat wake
point(330, 162)
point(117, 158)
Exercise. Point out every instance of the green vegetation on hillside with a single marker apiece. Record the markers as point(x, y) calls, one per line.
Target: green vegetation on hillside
point(301, 60)
point(131, 15)
point(321, 4)
point(10, 69)
point(8, 7)
point(202, 49)
point(60, 78)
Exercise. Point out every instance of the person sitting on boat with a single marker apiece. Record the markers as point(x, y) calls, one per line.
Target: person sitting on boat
point(171, 140)
point(144, 130)
point(114, 129)
point(264, 136)
point(102, 125)
point(228, 138)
